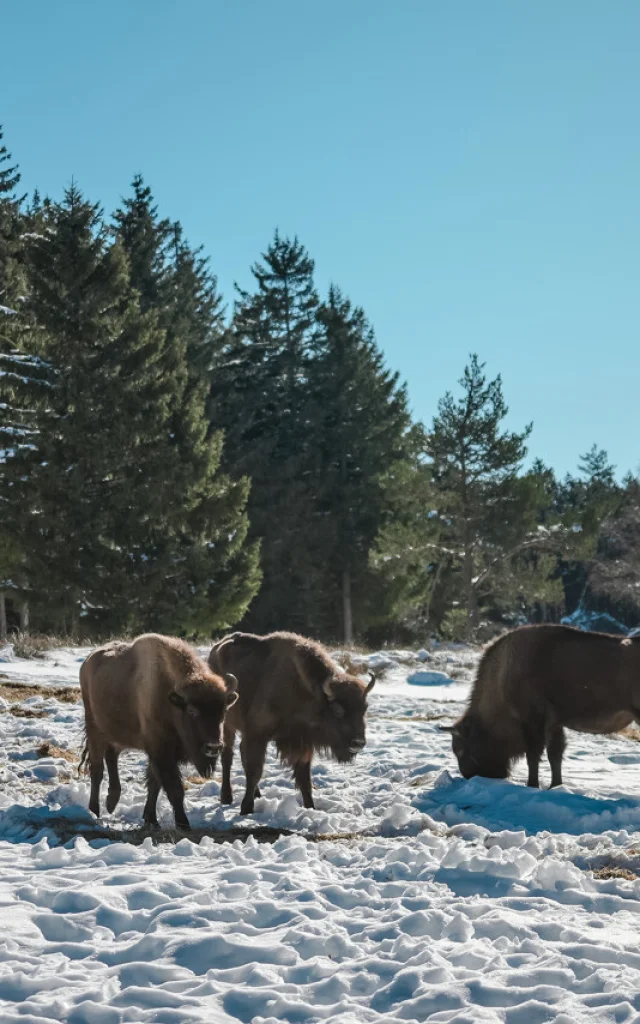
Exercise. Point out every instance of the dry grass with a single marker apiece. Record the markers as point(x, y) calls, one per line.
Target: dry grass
point(36, 645)
point(14, 691)
point(614, 872)
point(51, 750)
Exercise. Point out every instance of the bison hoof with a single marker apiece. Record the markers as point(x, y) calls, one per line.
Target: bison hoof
point(112, 800)
point(95, 809)
point(257, 793)
point(226, 797)
point(246, 806)
point(151, 823)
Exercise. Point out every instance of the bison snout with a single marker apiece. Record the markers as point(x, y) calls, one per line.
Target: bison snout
point(357, 744)
point(211, 749)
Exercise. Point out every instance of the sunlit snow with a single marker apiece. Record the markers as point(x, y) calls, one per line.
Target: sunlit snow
point(410, 894)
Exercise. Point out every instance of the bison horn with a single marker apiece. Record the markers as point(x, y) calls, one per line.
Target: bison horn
point(372, 681)
point(446, 728)
point(231, 681)
point(326, 688)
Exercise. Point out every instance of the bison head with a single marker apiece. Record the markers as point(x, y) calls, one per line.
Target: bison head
point(343, 715)
point(477, 751)
point(201, 706)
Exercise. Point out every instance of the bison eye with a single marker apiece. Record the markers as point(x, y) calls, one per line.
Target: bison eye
point(337, 709)
point(192, 711)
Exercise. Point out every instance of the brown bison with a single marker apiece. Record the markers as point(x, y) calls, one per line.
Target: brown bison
point(291, 692)
point(535, 681)
point(153, 694)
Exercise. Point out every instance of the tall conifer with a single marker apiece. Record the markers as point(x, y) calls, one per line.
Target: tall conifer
point(259, 396)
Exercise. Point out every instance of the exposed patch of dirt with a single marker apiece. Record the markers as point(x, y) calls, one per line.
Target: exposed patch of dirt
point(50, 750)
point(14, 691)
point(19, 712)
point(65, 832)
point(614, 872)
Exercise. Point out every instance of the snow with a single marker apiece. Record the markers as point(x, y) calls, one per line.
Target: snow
point(600, 622)
point(426, 677)
point(410, 894)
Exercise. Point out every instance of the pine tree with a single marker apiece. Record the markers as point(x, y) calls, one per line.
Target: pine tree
point(175, 283)
point(258, 396)
point(408, 560)
point(588, 499)
point(119, 527)
point(15, 428)
point(359, 424)
point(475, 466)
point(146, 240)
point(613, 573)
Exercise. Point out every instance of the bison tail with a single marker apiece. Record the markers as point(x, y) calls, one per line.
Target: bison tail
point(85, 761)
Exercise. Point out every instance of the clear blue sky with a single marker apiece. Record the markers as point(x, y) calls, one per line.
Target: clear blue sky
point(468, 172)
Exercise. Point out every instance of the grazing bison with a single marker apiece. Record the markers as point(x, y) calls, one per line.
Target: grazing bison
point(535, 681)
point(153, 694)
point(291, 692)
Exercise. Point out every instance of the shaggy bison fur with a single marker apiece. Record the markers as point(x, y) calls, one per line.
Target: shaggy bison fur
point(291, 693)
point(534, 682)
point(153, 694)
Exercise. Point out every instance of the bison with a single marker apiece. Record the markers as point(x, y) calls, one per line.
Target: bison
point(291, 692)
point(152, 694)
point(535, 681)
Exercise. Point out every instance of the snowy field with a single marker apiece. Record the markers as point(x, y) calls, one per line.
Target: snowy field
point(408, 895)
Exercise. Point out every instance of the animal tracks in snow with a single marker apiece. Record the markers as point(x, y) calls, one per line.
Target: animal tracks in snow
point(434, 899)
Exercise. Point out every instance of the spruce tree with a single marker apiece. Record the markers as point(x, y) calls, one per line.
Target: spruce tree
point(175, 283)
point(145, 239)
point(359, 423)
point(409, 563)
point(475, 466)
point(15, 417)
point(119, 527)
point(258, 396)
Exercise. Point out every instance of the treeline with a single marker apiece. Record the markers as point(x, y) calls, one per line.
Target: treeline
point(166, 466)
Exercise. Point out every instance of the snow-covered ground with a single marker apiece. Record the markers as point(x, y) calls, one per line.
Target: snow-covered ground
point(408, 895)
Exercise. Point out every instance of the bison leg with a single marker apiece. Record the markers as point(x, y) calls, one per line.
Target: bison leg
point(149, 814)
point(97, 772)
point(171, 781)
point(96, 749)
point(254, 755)
point(556, 743)
point(226, 794)
point(302, 776)
point(113, 796)
point(534, 747)
point(243, 757)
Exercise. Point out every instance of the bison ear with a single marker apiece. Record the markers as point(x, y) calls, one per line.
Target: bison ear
point(231, 681)
point(231, 697)
point(327, 688)
point(372, 681)
point(177, 700)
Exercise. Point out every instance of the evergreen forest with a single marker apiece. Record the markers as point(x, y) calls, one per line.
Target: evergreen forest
point(177, 462)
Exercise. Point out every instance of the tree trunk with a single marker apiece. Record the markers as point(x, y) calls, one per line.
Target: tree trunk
point(347, 613)
point(471, 598)
point(24, 617)
point(75, 622)
point(427, 613)
point(3, 617)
